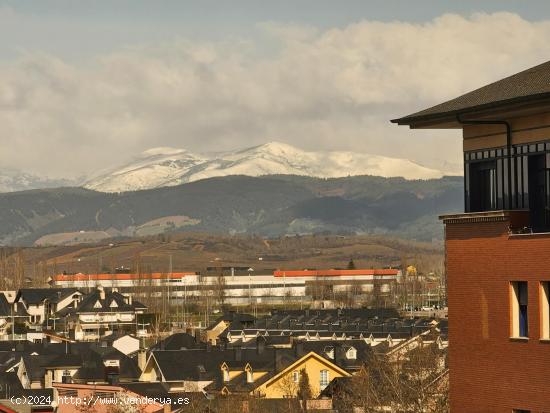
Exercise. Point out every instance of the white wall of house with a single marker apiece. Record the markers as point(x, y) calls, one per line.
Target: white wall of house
point(59, 373)
point(102, 317)
point(126, 344)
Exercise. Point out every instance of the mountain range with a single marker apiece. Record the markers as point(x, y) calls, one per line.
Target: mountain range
point(271, 190)
point(160, 167)
point(270, 206)
point(12, 180)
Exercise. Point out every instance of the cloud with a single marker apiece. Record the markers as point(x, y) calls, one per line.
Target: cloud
point(333, 89)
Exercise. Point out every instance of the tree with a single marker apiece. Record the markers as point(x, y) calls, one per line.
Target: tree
point(351, 264)
point(304, 388)
point(220, 289)
point(288, 387)
point(412, 381)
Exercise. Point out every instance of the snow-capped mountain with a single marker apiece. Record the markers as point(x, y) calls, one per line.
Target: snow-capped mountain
point(168, 166)
point(12, 180)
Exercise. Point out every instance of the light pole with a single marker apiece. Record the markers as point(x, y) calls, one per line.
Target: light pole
point(250, 285)
point(54, 317)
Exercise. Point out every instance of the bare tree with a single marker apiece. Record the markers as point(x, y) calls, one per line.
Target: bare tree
point(288, 387)
point(220, 289)
point(416, 382)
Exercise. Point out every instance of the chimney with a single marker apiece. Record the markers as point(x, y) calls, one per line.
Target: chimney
point(278, 360)
point(101, 292)
point(142, 359)
point(260, 345)
point(48, 379)
point(339, 354)
point(299, 348)
point(238, 354)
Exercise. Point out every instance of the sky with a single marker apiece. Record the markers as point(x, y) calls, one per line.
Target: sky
point(85, 85)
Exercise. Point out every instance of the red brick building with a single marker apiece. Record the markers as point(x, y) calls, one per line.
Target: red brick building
point(498, 251)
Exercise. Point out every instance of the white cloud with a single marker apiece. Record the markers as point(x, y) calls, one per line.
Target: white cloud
point(334, 89)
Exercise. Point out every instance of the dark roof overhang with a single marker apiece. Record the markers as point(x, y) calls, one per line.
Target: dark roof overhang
point(511, 108)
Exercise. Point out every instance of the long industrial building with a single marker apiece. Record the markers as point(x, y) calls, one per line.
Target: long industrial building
point(238, 288)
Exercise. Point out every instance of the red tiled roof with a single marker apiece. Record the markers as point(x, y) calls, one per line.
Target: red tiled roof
point(333, 273)
point(120, 277)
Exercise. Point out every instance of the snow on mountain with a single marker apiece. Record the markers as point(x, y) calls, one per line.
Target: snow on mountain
point(12, 180)
point(154, 168)
point(159, 167)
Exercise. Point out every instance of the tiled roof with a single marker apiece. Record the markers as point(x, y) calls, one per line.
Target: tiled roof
point(178, 341)
point(89, 303)
point(38, 295)
point(530, 84)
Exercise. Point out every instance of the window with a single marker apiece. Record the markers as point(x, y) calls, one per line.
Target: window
point(295, 376)
point(323, 382)
point(519, 301)
point(351, 354)
point(545, 310)
point(483, 184)
point(66, 376)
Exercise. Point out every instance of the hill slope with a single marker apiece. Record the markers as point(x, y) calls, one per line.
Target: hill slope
point(268, 205)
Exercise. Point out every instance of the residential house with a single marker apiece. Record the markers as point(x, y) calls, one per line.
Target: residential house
point(11, 314)
point(125, 343)
point(258, 371)
point(101, 312)
point(42, 304)
point(230, 320)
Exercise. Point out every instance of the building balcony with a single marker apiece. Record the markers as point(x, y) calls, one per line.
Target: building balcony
point(518, 221)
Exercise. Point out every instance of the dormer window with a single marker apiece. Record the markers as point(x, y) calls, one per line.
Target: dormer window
point(249, 374)
point(113, 304)
point(225, 373)
point(351, 354)
point(97, 304)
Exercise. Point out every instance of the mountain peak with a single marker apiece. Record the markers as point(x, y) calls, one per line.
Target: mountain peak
point(166, 166)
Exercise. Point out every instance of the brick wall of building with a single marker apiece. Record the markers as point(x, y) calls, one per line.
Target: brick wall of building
point(489, 372)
